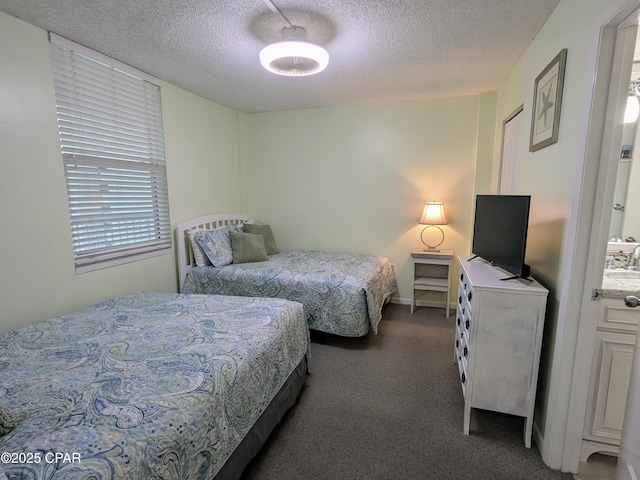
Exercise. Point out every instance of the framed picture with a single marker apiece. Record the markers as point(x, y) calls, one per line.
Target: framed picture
point(547, 101)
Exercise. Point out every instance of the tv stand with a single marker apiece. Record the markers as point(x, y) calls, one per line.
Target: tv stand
point(517, 277)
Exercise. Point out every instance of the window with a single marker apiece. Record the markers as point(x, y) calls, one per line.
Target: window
point(112, 142)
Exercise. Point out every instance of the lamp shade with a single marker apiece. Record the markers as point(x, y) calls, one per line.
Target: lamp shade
point(433, 214)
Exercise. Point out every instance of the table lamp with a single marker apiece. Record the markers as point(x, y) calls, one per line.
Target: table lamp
point(432, 216)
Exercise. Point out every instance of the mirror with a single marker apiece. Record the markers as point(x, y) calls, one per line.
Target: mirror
point(625, 214)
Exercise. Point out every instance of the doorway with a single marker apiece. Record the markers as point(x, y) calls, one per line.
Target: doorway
point(614, 65)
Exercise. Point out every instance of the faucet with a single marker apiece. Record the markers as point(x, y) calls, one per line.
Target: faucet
point(634, 260)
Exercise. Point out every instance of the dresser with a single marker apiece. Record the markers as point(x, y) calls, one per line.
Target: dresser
point(498, 338)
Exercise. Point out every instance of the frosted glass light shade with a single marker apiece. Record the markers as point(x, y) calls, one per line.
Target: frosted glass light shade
point(293, 58)
point(632, 110)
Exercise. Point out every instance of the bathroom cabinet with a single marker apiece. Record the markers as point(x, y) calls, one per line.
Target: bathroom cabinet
point(610, 373)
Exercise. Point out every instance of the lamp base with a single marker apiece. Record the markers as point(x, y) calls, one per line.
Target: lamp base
point(431, 248)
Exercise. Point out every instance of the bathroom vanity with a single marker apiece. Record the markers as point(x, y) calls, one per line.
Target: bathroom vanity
point(612, 359)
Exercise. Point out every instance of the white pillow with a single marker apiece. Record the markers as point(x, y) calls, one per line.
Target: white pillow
point(216, 244)
point(198, 253)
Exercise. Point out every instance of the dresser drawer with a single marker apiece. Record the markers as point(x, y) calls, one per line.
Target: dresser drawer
point(464, 318)
point(617, 317)
point(465, 290)
point(462, 355)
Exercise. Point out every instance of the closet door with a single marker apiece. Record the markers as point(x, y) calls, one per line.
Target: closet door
point(511, 138)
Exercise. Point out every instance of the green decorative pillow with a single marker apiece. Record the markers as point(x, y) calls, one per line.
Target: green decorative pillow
point(265, 230)
point(248, 247)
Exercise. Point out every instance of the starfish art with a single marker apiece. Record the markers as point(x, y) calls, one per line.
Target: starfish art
point(546, 105)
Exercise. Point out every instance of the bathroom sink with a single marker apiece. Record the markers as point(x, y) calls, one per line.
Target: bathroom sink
point(621, 273)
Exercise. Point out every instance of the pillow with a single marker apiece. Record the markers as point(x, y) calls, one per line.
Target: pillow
point(248, 247)
point(199, 256)
point(216, 244)
point(265, 230)
point(9, 419)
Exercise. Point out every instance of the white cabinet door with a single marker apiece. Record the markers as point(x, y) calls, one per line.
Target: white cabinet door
point(629, 461)
point(611, 370)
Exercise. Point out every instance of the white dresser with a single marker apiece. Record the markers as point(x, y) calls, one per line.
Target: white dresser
point(499, 326)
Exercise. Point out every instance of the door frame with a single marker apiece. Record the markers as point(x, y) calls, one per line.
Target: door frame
point(611, 69)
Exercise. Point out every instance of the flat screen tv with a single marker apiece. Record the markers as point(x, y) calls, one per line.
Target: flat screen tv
point(500, 232)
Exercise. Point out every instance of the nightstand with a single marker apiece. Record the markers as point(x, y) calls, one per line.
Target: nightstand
point(432, 272)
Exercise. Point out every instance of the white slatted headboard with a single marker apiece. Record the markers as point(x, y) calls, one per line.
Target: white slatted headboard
point(183, 247)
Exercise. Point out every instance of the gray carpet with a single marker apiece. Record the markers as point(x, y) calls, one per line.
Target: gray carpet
point(389, 406)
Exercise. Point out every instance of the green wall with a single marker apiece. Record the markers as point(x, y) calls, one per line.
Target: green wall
point(351, 179)
point(553, 177)
point(38, 280)
point(356, 178)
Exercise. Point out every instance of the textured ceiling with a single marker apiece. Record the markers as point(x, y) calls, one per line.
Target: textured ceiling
point(381, 51)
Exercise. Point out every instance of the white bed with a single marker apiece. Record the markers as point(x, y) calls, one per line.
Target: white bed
point(343, 294)
point(186, 259)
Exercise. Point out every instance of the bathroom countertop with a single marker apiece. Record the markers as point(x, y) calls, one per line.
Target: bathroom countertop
point(620, 286)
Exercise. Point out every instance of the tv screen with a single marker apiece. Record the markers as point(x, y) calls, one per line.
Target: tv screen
point(500, 231)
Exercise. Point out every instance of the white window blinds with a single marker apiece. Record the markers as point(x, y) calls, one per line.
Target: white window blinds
point(111, 136)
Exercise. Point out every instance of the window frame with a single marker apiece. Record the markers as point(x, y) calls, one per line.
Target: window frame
point(112, 146)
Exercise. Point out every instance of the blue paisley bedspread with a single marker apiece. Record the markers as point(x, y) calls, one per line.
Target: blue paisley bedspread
point(153, 386)
point(342, 293)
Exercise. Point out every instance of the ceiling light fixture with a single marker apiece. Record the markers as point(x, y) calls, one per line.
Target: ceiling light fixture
point(294, 56)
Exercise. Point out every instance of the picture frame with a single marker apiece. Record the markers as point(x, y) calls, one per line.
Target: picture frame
point(547, 103)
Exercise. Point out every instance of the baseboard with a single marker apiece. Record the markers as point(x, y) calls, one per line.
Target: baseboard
point(538, 439)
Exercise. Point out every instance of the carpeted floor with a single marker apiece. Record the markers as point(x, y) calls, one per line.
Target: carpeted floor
point(389, 406)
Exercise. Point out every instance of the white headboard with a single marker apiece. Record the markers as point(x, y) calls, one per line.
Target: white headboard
point(183, 247)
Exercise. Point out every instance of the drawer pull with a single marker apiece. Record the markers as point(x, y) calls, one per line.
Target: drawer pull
point(631, 301)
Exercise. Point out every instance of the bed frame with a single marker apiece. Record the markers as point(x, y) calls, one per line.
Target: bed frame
point(209, 222)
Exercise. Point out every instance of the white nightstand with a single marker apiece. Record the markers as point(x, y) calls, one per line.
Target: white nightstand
point(431, 271)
